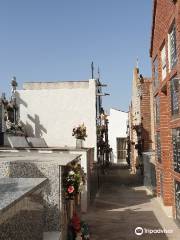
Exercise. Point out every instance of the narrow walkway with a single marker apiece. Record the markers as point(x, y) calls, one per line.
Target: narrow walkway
point(122, 206)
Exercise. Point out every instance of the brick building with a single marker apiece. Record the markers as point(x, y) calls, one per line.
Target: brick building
point(147, 134)
point(141, 128)
point(145, 110)
point(165, 54)
point(134, 119)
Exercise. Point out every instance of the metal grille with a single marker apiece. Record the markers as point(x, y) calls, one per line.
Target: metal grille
point(121, 149)
point(172, 46)
point(177, 197)
point(176, 149)
point(158, 146)
point(157, 113)
point(156, 76)
point(174, 96)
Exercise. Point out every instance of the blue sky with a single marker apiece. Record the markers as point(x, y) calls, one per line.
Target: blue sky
point(51, 40)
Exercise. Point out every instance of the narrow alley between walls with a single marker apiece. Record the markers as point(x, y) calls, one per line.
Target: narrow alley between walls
point(124, 210)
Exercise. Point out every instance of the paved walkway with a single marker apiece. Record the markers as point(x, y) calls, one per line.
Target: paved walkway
point(122, 206)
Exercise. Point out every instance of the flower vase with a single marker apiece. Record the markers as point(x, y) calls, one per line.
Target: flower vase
point(79, 143)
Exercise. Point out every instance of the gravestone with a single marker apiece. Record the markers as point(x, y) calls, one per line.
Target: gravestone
point(17, 141)
point(36, 142)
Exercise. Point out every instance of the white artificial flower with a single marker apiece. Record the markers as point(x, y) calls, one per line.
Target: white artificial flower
point(8, 124)
point(71, 173)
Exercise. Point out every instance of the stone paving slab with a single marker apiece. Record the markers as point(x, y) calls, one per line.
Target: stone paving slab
point(122, 206)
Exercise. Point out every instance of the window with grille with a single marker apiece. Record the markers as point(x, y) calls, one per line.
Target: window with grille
point(121, 148)
point(176, 149)
point(174, 96)
point(163, 62)
point(172, 47)
point(158, 146)
point(157, 109)
point(155, 72)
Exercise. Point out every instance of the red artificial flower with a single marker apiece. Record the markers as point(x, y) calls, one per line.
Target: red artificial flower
point(70, 189)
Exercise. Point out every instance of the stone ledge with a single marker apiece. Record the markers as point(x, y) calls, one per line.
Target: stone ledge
point(167, 209)
point(13, 190)
point(55, 235)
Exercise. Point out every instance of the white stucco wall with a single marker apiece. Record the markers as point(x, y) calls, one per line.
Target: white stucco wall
point(57, 109)
point(117, 129)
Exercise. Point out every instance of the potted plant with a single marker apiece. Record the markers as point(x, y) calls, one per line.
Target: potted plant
point(80, 134)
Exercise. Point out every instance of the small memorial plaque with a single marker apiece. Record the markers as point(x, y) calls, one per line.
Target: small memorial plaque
point(17, 141)
point(37, 142)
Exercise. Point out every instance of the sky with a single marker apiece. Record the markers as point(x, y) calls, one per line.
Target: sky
point(56, 40)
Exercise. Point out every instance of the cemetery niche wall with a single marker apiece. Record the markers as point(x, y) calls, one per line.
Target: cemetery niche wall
point(57, 209)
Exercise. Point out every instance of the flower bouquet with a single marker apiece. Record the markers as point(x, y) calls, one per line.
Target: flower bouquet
point(17, 129)
point(74, 179)
point(80, 132)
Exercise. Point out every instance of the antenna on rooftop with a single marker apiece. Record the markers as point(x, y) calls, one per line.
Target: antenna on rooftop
point(92, 70)
point(99, 73)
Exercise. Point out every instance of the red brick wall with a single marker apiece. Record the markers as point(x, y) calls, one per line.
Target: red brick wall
point(164, 14)
point(146, 115)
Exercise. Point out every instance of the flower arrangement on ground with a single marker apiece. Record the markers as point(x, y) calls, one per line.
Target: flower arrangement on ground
point(74, 179)
point(78, 230)
point(80, 132)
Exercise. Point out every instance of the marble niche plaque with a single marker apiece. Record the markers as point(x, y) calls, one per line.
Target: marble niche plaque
point(17, 141)
point(36, 142)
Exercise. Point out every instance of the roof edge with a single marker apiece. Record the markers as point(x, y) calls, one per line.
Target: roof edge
point(119, 110)
point(152, 27)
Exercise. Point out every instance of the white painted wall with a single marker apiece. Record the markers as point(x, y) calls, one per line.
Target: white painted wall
point(58, 108)
point(117, 129)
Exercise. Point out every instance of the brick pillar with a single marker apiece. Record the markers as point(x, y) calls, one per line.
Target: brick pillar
point(146, 116)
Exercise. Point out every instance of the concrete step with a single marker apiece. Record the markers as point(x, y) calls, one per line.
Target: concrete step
point(51, 235)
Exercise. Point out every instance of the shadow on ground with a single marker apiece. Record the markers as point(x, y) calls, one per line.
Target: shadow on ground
point(121, 206)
